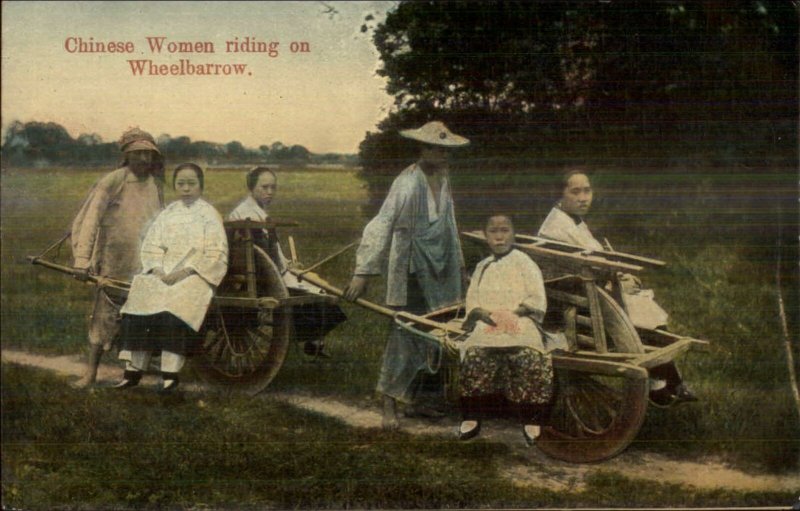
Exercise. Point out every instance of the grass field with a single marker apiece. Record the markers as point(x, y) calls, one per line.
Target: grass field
point(716, 234)
point(66, 449)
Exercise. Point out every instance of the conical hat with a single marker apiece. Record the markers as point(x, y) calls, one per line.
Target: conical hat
point(435, 133)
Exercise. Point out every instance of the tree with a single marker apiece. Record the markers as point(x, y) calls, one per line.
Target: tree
point(90, 139)
point(176, 148)
point(299, 153)
point(510, 74)
point(37, 142)
point(235, 150)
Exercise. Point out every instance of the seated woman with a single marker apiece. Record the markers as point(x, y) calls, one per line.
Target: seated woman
point(184, 257)
point(565, 223)
point(504, 358)
point(312, 321)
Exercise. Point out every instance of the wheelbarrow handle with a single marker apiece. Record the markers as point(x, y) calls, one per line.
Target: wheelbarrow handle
point(327, 286)
point(71, 271)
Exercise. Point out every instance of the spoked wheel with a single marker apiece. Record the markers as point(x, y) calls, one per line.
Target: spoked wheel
point(594, 416)
point(243, 347)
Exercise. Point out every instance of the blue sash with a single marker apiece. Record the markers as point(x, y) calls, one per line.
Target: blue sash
point(435, 252)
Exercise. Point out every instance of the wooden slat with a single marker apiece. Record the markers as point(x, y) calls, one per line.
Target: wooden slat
point(585, 341)
point(610, 254)
point(237, 301)
point(595, 366)
point(608, 356)
point(578, 259)
point(250, 265)
point(308, 299)
point(596, 315)
point(570, 329)
point(659, 338)
point(562, 296)
point(272, 303)
point(662, 355)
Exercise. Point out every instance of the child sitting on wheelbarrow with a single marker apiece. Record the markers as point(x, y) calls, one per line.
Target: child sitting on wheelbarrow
point(504, 362)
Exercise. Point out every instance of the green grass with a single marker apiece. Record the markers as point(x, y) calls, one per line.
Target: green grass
point(69, 449)
point(717, 236)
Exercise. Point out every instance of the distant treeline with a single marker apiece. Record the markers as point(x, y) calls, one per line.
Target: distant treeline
point(40, 144)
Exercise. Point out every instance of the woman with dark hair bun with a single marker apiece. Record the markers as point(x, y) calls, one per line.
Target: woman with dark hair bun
point(311, 321)
point(184, 257)
point(565, 223)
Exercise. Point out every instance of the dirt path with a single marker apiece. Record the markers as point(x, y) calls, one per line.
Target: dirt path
point(526, 467)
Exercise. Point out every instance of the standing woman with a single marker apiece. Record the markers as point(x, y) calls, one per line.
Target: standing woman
point(184, 257)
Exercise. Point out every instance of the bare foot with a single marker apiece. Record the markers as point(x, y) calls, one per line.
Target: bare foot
point(390, 423)
point(389, 420)
point(86, 380)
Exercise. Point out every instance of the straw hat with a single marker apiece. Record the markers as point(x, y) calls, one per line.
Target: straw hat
point(137, 140)
point(435, 133)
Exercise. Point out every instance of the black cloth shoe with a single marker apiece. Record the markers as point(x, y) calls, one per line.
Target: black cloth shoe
point(315, 349)
point(170, 383)
point(129, 379)
point(661, 397)
point(466, 431)
point(681, 394)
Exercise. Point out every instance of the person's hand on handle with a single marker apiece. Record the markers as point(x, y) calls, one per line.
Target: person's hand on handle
point(356, 288)
point(81, 274)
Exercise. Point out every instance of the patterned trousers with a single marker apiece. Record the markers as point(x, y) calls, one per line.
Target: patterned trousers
point(523, 376)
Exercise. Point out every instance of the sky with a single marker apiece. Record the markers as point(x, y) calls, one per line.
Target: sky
point(325, 98)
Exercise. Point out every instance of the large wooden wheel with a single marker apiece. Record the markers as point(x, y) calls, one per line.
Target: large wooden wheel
point(245, 347)
point(595, 417)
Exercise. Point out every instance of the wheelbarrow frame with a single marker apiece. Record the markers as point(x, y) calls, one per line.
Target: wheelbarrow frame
point(248, 327)
point(602, 378)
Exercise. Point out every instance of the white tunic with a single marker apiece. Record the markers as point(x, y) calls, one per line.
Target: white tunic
point(559, 226)
point(500, 286)
point(639, 303)
point(181, 237)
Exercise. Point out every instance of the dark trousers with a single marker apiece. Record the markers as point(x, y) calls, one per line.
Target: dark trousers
point(497, 406)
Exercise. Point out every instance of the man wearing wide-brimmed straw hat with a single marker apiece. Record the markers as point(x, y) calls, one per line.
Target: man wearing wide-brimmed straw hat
point(414, 242)
point(108, 230)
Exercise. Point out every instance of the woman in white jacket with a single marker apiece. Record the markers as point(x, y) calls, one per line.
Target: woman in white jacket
point(184, 257)
point(504, 361)
point(566, 223)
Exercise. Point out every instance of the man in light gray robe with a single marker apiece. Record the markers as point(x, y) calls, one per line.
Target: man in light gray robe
point(414, 242)
point(108, 230)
